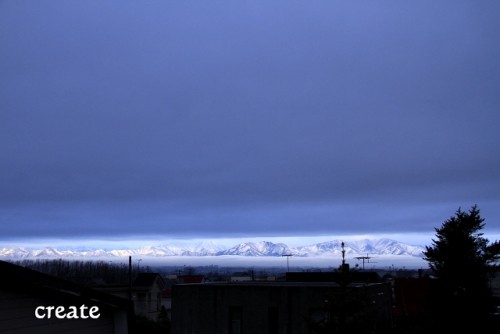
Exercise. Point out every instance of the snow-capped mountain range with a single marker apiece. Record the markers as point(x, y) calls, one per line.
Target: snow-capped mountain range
point(249, 249)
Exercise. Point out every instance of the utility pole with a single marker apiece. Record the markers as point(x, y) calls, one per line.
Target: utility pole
point(344, 267)
point(344, 272)
point(343, 254)
point(130, 277)
point(287, 261)
point(364, 258)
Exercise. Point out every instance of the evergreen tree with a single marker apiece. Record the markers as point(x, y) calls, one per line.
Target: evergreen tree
point(462, 259)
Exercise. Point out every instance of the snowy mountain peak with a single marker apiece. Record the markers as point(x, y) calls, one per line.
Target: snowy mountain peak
point(261, 248)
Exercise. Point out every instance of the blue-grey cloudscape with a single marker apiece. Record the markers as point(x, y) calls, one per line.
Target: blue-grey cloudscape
point(227, 119)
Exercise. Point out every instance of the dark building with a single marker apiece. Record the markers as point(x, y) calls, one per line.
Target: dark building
point(334, 276)
point(413, 297)
point(292, 307)
point(33, 302)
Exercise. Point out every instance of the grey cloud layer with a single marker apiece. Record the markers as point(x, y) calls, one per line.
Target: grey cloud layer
point(246, 118)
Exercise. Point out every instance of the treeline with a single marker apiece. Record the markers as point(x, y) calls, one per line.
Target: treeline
point(83, 272)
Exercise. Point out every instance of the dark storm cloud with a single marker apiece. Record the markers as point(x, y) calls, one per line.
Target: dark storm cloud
point(120, 118)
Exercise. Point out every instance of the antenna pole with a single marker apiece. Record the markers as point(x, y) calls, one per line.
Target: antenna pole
point(287, 261)
point(343, 254)
point(130, 277)
point(367, 257)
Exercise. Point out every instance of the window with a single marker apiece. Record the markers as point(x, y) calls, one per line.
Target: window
point(235, 319)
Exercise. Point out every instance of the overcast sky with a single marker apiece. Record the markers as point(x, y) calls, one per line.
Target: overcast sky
point(129, 120)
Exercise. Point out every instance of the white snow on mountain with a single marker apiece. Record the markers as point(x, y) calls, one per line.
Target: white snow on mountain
point(205, 248)
point(262, 248)
point(249, 249)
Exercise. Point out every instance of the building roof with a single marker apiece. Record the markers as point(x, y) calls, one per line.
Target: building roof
point(14, 278)
point(191, 279)
point(334, 276)
point(146, 280)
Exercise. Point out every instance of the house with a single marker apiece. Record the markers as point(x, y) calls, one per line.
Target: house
point(188, 279)
point(279, 307)
point(33, 302)
point(146, 293)
point(413, 296)
point(242, 276)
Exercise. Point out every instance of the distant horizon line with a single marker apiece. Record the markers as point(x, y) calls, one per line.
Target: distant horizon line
point(410, 238)
point(413, 239)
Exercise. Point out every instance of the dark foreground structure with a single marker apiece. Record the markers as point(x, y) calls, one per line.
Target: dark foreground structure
point(282, 307)
point(28, 302)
